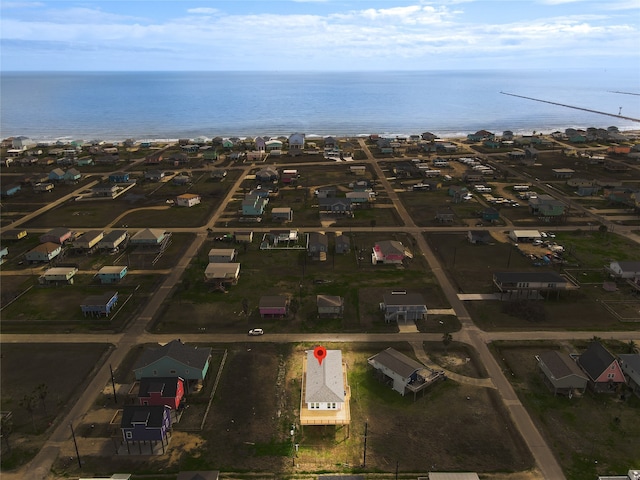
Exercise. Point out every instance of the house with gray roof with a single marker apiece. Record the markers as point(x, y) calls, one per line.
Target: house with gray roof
point(175, 359)
point(330, 306)
point(630, 364)
point(624, 269)
point(324, 382)
point(396, 368)
point(317, 245)
point(561, 373)
point(531, 283)
point(343, 244)
point(402, 307)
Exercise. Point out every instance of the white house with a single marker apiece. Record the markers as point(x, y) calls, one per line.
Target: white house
point(222, 255)
point(325, 382)
point(629, 269)
point(188, 200)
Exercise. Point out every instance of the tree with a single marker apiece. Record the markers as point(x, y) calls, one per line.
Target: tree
point(446, 340)
point(28, 402)
point(41, 392)
point(632, 347)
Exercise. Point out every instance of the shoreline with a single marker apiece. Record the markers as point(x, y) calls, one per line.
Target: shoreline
point(311, 136)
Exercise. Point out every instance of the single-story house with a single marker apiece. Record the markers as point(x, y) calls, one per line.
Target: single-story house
point(561, 373)
point(223, 273)
point(624, 269)
point(56, 175)
point(563, 172)
point(243, 237)
point(99, 305)
point(267, 175)
point(58, 275)
point(519, 236)
point(395, 366)
point(282, 214)
point(389, 252)
point(531, 283)
point(112, 273)
point(154, 175)
point(445, 215)
point(105, 190)
point(188, 200)
point(45, 252)
point(149, 236)
point(57, 235)
point(88, 240)
point(72, 175)
point(630, 364)
point(222, 255)
point(317, 245)
point(119, 177)
point(273, 306)
point(167, 391)
point(334, 205)
point(113, 239)
point(146, 423)
point(343, 244)
point(602, 368)
point(330, 305)
point(490, 214)
point(400, 306)
point(480, 237)
point(175, 359)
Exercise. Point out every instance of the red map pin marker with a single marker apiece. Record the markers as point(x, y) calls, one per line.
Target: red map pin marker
point(320, 353)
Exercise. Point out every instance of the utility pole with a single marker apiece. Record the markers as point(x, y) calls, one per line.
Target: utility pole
point(73, 434)
point(364, 460)
point(113, 384)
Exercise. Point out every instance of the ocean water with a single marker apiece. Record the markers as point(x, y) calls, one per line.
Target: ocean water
point(147, 105)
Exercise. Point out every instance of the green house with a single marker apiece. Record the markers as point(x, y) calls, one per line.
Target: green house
point(175, 359)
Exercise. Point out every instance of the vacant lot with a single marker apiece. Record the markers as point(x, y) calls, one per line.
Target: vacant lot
point(258, 400)
point(38, 381)
point(591, 435)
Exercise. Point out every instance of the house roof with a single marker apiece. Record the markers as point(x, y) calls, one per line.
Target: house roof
point(324, 381)
point(90, 235)
point(222, 252)
point(188, 196)
point(222, 270)
point(176, 350)
point(397, 362)
point(166, 386)
point(390, 247)
point(109, 269)
point(150, 415)
point(113, 235)
point(534, 277)
point(343, 240)
point(560, 364)
point(273, 301)
point(629, 266)
point(324, 301)
point(58, 232)
point(316, 238)
point(149, 234)
point(46, 247)
point(61, 271)
point(98, 300)
point(595, 360)
point(631, 361)
point(398, 299)
point(483, 236)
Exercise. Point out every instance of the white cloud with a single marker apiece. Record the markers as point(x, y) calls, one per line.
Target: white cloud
point(4, 5)
point(203, 10)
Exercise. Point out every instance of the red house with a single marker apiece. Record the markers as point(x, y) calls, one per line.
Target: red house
point(273, 306)
point(603, 370)
point(161, 391)
point(388, 251)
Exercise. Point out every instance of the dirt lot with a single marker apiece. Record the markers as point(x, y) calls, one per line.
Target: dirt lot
point(258, 400)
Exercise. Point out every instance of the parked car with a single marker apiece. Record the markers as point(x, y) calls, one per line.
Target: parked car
point(256, 331)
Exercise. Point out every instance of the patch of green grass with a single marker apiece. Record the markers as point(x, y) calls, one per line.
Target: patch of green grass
point(272, 449)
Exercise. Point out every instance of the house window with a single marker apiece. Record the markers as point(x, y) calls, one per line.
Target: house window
point(155, 373)
point(128, 435)
point(613, 367)
point(172, 372)
point(611, 375)
point(333, 405)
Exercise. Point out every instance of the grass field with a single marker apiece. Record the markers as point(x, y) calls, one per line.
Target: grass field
point(594, 434)
point(61, 369)
point(358, 281)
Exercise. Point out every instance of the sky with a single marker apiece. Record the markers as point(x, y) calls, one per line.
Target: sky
point(323, 35)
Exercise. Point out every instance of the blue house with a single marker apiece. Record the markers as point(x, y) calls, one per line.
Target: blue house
point(490, 214)
point(254, 204)
point(112, 273)
point(72, 175)
point(99, 305)
point(119, 177)
point(142, 423)
point(10, 190)
point(56, 175)
point(175, 359)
